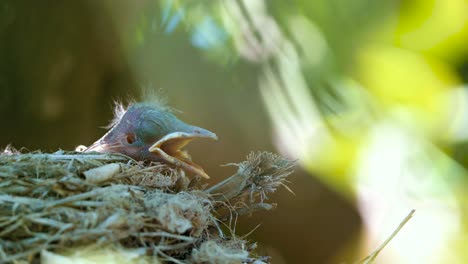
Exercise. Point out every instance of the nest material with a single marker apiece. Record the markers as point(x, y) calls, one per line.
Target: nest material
point(56, 202)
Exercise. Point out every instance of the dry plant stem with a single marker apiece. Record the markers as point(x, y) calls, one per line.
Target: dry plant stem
point(98, 157)
point(246, 191)
point(260, 174)
point(371, 258)
point(229, 187)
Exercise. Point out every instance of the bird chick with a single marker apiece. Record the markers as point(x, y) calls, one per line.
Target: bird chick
point(151, 132)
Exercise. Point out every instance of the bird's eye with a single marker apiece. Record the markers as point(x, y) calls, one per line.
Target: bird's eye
point(150, 130)
point(130, 138)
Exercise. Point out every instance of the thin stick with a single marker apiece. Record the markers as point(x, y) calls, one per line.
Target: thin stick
point(164, 234)
point(76, 197)
point(79, 156)
point(370, 259)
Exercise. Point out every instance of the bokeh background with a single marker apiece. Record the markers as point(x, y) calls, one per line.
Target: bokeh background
point(368, 96)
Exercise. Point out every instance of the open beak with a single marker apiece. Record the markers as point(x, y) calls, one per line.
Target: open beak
point(170, 148)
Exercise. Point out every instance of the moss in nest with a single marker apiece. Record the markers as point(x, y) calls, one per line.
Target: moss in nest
point(181, 212)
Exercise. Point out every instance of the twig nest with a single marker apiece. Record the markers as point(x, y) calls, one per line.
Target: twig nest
point(59, 203)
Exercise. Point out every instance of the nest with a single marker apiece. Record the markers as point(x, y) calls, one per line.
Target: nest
point(51, 204)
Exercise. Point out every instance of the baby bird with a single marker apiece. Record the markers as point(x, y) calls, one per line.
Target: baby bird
point(151, 132)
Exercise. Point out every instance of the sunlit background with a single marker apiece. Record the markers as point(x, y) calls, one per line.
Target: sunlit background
point(368, 96)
